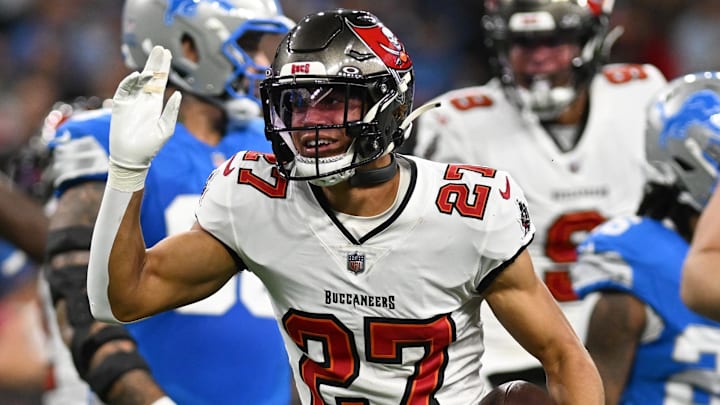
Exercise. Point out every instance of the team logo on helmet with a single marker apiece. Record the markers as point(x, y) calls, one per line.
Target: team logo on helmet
point(595, 6)
point(188, 8)
point(356, 262)
point(384, 44)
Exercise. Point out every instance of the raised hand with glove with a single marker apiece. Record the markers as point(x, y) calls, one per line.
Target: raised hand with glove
point(139, 127)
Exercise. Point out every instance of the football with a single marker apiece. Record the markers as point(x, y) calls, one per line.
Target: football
point(517, 393)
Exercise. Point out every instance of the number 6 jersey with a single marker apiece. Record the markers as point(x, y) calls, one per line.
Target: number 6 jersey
point(380, 310)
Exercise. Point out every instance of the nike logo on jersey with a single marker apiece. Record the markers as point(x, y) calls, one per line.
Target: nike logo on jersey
point(228, 167)
point(506, 194)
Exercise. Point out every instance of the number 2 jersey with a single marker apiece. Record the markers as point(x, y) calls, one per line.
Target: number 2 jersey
point(676, 361)
point(219, 349)
point(568, 193)
point(386, 315)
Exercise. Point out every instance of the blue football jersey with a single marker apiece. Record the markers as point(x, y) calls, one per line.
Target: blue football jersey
point(226, 349)
point(677, 359)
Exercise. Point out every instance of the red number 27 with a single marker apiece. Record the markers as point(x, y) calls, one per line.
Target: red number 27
point(459, 197)
point(384, 341)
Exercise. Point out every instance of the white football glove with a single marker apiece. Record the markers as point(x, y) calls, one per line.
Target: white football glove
point(139, 126)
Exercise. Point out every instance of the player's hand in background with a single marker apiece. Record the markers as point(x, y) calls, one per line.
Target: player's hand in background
point(140, 126)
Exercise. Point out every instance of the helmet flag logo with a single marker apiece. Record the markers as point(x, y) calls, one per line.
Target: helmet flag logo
point(385, 45)
point(596, 6)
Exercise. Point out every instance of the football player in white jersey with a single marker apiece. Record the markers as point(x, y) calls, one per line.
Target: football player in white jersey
point(376, 263)
point(569, 130)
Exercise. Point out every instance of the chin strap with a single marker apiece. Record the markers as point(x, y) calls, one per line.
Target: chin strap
point(413, 115)
point(416, 113)
point(365, 178)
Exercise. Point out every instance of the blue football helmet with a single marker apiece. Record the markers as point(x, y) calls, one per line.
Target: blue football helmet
point(683, 135)
point(224, 34)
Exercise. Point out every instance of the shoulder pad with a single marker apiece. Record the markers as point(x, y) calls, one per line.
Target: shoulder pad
point(618, 73)
point(94, 123)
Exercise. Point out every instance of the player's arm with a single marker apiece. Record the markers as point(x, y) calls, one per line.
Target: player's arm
point(126, 282)
point(525, 307)
point(23, 365)
point(616, 326)
point(25, 227)
point(178, 270)
point(104, 355)
point(700, 288)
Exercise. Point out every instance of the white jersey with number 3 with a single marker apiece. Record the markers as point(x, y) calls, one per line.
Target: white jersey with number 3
point(568, 193)
point(388, 317)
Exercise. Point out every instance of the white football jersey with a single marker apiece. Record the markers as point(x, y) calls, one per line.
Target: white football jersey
point(568, 193)
point(388, 317)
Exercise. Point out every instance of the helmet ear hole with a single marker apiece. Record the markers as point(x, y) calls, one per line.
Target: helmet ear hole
point(683, 164)
point(190, 51)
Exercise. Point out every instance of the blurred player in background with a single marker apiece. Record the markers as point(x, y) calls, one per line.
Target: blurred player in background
point(649, 347)
point(25, 370)
point(566, 126)
point(22, 218)
point(227, 346)
point(24, 362)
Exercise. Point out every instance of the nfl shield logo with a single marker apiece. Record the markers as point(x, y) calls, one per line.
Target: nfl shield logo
point(356, 262)
point(524, 217)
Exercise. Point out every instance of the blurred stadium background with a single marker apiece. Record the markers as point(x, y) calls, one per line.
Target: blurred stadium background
point(53, 49)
